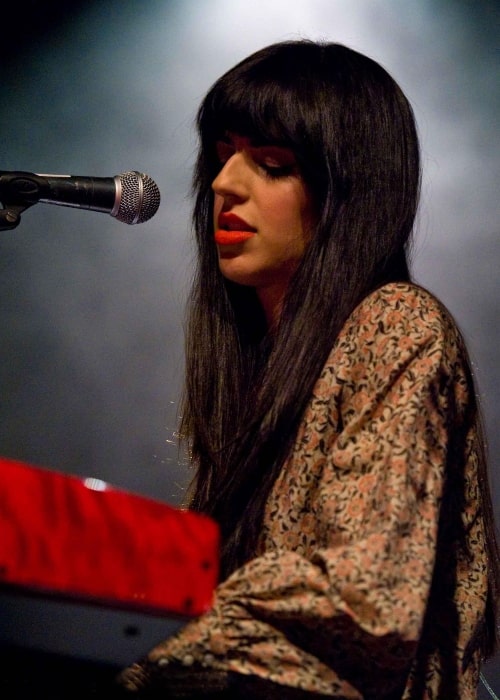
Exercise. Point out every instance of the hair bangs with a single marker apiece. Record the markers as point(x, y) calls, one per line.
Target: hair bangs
point(264, 107)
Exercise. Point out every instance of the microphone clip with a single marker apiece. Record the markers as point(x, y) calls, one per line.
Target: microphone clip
point(18, 192)
point(10, 217)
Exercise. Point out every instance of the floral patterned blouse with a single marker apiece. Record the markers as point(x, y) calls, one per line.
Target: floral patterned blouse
point(371, 578)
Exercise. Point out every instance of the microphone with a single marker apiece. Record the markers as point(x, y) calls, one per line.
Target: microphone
point(131, 197)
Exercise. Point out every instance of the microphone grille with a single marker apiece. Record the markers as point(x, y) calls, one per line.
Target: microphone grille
point(140, 198)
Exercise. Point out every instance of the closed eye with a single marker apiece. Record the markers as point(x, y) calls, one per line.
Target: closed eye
point(273, 170)
point(275, 161)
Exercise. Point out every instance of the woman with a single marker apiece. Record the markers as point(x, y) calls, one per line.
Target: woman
point(329, 404)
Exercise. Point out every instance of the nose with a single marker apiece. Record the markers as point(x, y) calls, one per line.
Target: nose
point(230, 182)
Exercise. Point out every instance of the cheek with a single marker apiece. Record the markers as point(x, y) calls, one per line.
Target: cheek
point(285, 211)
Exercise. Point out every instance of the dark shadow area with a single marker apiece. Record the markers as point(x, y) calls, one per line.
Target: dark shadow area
point(35, 674)
point(27, 24)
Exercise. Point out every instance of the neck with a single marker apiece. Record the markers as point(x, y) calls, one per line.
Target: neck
point(271, 299)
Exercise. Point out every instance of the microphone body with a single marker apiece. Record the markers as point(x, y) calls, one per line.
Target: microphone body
point(131, 197)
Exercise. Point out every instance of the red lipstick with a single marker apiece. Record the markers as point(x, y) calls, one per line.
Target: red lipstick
point(232, 229)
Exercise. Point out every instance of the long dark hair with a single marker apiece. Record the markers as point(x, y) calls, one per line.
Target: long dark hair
point(354, 136)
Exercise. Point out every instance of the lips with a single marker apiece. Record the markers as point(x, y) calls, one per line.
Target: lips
point(232, 229)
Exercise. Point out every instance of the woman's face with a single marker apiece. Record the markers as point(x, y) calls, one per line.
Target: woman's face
point(262, 216)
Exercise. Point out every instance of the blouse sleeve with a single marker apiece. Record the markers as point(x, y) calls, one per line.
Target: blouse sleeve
point(341, 611)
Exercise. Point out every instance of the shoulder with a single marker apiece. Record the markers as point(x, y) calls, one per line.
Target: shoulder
point(398, 327)
point(403, 304)
point(402, 310)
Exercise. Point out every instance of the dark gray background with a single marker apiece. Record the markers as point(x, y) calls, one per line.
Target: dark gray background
point(91, 310)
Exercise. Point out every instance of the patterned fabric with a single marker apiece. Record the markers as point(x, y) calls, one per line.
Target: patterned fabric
point(372, 575)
